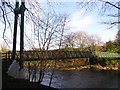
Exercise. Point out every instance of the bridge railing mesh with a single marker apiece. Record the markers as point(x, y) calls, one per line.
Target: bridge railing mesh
point(107, 55)
point(54, 55)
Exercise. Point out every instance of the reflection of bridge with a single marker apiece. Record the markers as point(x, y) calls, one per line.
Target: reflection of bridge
point(56, 55)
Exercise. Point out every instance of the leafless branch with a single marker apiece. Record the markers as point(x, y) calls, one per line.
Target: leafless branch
point(112, 5)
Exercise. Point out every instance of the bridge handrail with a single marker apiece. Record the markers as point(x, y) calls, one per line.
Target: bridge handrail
point(107, 54)
point(61, 54)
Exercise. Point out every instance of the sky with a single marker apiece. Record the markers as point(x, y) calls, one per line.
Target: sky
point(80, 21)
point(89, 22)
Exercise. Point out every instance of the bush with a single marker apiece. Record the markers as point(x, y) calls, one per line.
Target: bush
point(111, 62)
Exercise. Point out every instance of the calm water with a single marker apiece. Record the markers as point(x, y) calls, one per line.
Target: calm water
point(83, 79)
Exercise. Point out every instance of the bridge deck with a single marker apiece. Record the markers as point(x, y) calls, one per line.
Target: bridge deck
point(55, 55)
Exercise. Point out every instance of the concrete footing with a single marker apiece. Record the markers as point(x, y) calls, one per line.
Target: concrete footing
point(15, 71)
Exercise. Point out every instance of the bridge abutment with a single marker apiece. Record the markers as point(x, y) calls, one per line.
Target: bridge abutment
point(15, 71)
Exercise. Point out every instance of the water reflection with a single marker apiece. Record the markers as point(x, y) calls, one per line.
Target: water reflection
point(83, 79)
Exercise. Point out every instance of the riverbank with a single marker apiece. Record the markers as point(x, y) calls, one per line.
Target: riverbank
point(96, 67)
point(82, 65)
point(10, 82)
point(75, 64)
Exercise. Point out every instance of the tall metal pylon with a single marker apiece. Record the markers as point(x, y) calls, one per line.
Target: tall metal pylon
point(19, 10)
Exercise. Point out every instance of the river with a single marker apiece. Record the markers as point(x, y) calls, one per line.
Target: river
point(83, 79)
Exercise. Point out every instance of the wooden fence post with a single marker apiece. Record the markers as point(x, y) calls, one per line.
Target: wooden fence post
point(9, 55)
point(6, 56)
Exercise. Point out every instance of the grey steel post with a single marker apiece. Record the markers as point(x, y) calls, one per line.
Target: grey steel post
point(16, 12)
point(22, 9)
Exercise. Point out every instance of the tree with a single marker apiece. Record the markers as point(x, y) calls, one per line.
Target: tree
point(103, 8)
point(3, 48)
point(83, 41)
point(49, 34)
point(69, 40)
point(47, 27)
point(111, 46)
point(118, 40)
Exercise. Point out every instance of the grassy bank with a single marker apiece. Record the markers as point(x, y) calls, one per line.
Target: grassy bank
point(74, 64)
point(10, 82)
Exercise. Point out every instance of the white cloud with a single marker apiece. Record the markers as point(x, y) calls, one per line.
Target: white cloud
point(79, 21)
point(89, 23)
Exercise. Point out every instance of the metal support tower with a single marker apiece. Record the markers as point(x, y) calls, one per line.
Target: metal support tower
point(19, 10)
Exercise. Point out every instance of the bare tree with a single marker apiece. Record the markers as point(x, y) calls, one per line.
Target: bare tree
point(48, 30)
point(103, 7)
point(82, 40)
point(3, 48)
point(69, 40)
point(62, 30)
point(6, 11)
